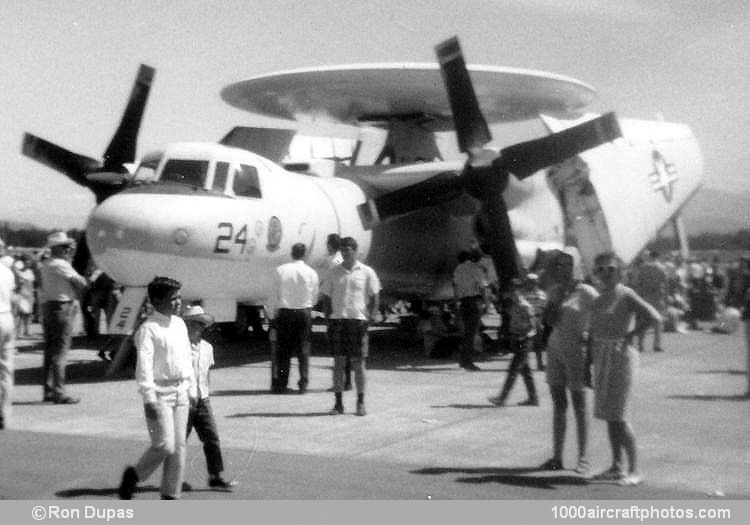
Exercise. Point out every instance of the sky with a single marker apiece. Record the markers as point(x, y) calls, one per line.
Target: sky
point(68, 67)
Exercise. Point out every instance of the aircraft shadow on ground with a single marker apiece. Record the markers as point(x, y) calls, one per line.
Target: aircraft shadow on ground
point(465, 406)
point(517, 476)
point(731, 372)
point(279, 414)
point(709, 397)
point(85, 492)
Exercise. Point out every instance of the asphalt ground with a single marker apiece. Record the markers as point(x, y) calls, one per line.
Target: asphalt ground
point(430, 432)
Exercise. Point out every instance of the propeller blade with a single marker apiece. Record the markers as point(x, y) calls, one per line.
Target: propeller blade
point(526, 158)
point(122, 148)
point(471, 127)
point(74, 165)
point(430, 192)
point(499, 238)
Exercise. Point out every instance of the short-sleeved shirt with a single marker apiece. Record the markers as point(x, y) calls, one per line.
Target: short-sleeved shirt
point(296, 286)
point(350, 290)
point(203, 360)
point(58, 277)
point(469, 280)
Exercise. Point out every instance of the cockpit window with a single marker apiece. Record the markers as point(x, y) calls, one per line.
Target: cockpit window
point(190, 172)
point(146, 171)
point(246, 182)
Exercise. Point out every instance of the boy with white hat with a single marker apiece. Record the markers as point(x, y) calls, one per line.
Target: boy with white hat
point(201, 416)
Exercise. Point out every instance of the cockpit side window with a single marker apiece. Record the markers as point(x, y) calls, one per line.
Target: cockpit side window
point(220, 176)
point(190, 172)
point(246, 182)
point(146, 171)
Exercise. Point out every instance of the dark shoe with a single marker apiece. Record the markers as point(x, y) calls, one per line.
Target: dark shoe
point(128, 483)
point(361, 409)
point(658, 349)
point(280, 390)
point(186, 487)
point(498, 401)
point(220, 485)
point(165, 497)
point(66, 400)
point(48, 398)
point(337, 410)
point(471, 367)
point(529, 403)
point(2, 423)
point(302, 388)
point(551, 464)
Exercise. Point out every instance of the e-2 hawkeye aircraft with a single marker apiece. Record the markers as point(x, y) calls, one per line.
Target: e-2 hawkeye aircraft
point(220, 217)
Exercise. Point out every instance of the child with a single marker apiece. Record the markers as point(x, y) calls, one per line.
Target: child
point(201, 417)
point(166, 381)
point(521, 331)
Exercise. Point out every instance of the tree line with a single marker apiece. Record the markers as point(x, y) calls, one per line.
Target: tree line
point(31, 237)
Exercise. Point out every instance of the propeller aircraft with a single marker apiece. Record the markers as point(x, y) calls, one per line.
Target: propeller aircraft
point(220, 217)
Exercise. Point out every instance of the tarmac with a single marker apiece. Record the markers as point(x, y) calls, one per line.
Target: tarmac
point(430, 432)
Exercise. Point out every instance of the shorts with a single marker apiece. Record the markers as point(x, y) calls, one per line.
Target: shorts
point(348, 337)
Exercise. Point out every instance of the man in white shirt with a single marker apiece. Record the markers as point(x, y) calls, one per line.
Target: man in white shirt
point(166, 381)
point(353, 289)
point(61, 286)
point(296, 286)
point(333, 259)
point(7, 340)
point(470, 288)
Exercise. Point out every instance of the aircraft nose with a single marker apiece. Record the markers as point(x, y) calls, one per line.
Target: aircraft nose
point(130, 235)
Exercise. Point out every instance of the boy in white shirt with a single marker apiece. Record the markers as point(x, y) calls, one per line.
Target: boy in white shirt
point(201, 417)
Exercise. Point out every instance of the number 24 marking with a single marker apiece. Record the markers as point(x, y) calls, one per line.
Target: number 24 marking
point(227, 235)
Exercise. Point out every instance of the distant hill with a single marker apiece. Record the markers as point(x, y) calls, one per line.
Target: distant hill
point(717, 211)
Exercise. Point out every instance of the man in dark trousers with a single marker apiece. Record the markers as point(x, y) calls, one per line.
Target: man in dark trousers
point(61, 286)
point(296, 286)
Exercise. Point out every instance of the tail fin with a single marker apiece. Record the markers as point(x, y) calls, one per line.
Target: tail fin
point(619, 195)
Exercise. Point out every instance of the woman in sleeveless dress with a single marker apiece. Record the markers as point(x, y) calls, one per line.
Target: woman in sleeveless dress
point(615, 362)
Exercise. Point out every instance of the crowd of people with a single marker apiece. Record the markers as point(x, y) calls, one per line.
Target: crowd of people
point(590, 333)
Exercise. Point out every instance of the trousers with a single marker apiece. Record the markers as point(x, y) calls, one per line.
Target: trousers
point(201, 418)
point(294, 327)
point(7, 348)
point(168, 432)
point(58, 334)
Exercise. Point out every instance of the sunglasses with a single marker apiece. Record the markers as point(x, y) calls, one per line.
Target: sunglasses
point(610, 268)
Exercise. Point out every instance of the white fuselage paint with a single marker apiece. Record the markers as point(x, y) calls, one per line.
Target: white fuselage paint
point(226, 248)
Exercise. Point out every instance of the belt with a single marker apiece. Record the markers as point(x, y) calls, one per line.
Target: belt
point(169, 382)
point(54, 303)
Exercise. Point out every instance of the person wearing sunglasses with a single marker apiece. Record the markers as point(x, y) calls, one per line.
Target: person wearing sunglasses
point(567, 317)
point(615, 361)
